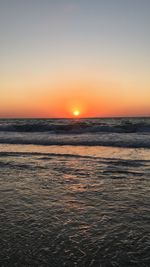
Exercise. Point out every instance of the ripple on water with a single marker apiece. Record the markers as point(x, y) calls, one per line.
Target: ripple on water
point(70, 211)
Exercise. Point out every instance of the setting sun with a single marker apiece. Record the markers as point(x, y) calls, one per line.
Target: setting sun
point(76, 112)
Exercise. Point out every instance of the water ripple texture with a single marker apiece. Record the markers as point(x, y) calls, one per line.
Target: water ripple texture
point(74, 210)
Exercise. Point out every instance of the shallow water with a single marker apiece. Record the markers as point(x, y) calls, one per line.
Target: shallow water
point(74, 206)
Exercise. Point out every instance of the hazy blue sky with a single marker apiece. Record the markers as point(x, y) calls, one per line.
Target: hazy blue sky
point(53, 49)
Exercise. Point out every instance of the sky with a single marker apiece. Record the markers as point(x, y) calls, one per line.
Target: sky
point(57, 56)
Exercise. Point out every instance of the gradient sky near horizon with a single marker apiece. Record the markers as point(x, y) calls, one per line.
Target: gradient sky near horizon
point(60, 55)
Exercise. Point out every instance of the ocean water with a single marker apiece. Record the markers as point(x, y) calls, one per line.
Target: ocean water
point(75, 192)
point(125, 132)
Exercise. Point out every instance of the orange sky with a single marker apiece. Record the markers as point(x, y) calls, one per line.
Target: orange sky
point(92, 98)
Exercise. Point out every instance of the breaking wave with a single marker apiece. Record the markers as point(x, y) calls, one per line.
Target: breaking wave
point(66, 126)
point(134, 133)
point(114, 140)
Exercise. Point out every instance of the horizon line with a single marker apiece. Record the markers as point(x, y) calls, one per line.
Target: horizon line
point(75, 118)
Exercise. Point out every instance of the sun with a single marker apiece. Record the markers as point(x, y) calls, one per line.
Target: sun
point(76, 112)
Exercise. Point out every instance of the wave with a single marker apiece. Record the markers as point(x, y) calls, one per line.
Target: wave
point(47, 156)
point(115, 140)
point(122, 132)
point(77, 127)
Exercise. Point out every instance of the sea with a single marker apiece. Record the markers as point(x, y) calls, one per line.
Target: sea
point(75, 192)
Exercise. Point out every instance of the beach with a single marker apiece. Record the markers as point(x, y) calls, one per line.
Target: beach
point(69, 199)
point(75, 133)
